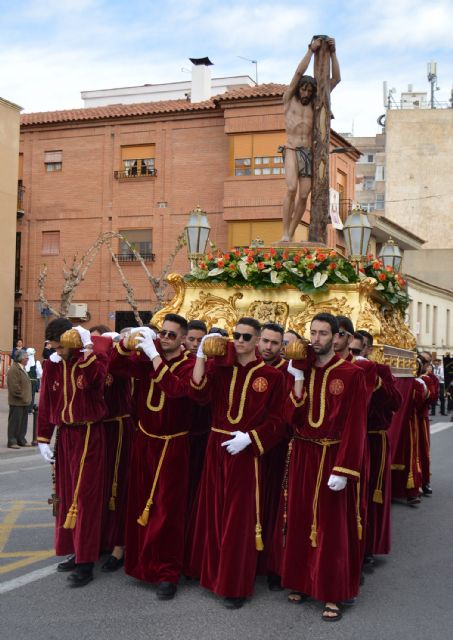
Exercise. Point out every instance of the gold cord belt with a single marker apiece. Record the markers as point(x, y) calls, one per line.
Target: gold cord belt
point(258, 528)
point(377, 493)
point(71, 516)
point(119, 446)
point(143, 519)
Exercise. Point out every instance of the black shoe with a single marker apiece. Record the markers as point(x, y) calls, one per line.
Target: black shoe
point(166, 590)
point(427, 491)
point(68, 565)
point(413, 502)
point(234, 603)
point(112, 564)
point(369, 560)
point(82, 575)
point(274, 582)
point(362, 579)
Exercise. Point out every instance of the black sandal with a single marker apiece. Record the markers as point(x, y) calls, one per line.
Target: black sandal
point(328, 618)
point(298, 597)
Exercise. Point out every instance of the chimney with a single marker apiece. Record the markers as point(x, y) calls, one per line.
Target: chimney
point(409, 88)
point(201, 79)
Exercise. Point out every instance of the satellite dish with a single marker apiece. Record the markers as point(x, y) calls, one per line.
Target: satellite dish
point(381, 120)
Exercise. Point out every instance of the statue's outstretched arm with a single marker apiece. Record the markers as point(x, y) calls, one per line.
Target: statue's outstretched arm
point(300, 71)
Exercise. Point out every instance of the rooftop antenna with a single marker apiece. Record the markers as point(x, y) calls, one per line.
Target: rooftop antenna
point(255, 62)
point(432, 79)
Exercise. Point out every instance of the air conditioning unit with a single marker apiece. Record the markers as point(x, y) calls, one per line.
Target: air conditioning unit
point(78, 310)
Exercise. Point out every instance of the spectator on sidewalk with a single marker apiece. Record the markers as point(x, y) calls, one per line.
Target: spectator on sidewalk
point(47, 351)
point(19, 398)
point(19, 345)
point(34, 371)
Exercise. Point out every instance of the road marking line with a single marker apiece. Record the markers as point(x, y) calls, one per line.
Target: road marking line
point(440, 426)
point(5, 473)
point(8, 523)
point(31, 457)
point(41, 525)
point(29, 557)
point(21, 581)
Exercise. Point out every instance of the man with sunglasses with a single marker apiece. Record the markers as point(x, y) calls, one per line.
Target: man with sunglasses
point(321, 522)
point(158, 483)
point(247, 399)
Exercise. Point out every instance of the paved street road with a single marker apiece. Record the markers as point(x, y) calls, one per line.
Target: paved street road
point(407, 597)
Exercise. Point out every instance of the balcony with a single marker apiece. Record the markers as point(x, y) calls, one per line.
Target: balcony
point(20, 201)
point(130, 258)
point(142, 173)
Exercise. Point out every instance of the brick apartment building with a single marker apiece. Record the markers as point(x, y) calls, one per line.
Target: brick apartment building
point(139, 169)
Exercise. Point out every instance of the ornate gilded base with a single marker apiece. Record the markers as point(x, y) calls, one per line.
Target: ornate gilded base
point(222, 306)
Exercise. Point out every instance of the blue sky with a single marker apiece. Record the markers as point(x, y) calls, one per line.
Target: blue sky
point(50, 50)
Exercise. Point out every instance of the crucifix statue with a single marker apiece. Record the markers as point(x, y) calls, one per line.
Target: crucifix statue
point(306, 153)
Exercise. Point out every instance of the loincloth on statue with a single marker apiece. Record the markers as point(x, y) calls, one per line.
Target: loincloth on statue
point(304, 157)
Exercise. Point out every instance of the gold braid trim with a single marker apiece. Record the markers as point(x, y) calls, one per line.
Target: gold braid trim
point(114, 494)
point(243, 392)
point(158, 407)
point(41, 439)
point(356, 474)
point(279, 364)
point(65, 391)
point(258, 528)
point(87, 363)
point(398, 467)
point(359, 518)
point(73, 389)
point(377, 493)
point(410, 484)
point(71, 516)
point(200, 386)
point(322, 409)
point(314, 524)
point(121, 351)
point(257, 442)
point(298, 403)
point(224, 431)
point(143, 519)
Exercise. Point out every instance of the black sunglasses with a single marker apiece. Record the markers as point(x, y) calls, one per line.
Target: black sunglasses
point(170, 334)
point(245, 336)
point(342, 333)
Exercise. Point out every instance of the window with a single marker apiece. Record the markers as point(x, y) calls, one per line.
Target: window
point(53, 160)
point(138, 161)
point(427, 318)
point(380, 173)
point(434, 338)
point(50, 243)
point(418, 328)
point(140, 240)
point(447, 333)
point(256, 154)
point(370, 157)
point(380, 201)
point(368, 183)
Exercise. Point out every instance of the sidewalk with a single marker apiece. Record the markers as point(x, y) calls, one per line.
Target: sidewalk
point(4, 409)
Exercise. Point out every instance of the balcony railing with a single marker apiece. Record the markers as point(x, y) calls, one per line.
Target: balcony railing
point(130, 257)
point(20, 201)
point(134, 172)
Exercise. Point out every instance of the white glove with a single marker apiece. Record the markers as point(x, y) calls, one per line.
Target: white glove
point(200, 353)
point(112, 334)
point(85, 337)
point(148, 347)
point(337, 483)
point(45, 451)
point(144, 331)
point(54, 357)
point(297, 373)
point(360, 358)
point(240, 441)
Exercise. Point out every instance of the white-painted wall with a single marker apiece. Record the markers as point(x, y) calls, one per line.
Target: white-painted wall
point(430, 316)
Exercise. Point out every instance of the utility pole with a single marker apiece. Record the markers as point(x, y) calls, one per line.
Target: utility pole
point(432, 79)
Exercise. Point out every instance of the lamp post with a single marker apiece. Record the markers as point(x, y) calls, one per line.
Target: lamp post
point(357, 232)
point(390, 255)
point(197, 233)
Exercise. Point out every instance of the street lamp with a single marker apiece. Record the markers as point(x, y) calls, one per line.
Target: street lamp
point(357, 232)
point(197, 233)
point(390, 255)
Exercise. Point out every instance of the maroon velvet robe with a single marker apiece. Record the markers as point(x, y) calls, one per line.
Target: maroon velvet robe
point(404, 439)
point(424, 439)
point(320, 545)
point(222, 545)
point(119, 431)
point(159, 468)
point(72, 396)
point(385, 401)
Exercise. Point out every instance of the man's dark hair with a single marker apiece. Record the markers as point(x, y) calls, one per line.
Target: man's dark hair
point(359, 336)
point(100, 328)
point(273, 326)
point(298, 336)
point(310, 81)
point(56, 328)
point(177, 319)
point(198, 325)
point(367, 335)
point(223, 332)
point(329, 318)
point(250, 322)
point(345, 323)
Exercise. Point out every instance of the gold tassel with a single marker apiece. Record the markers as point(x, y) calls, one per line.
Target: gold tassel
point(377, 496)
point(258, 538)
point(112, 505)
point(314, 536)
point(143, 520)
point(410, 481)
point(359, 528)
point(71, 517)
